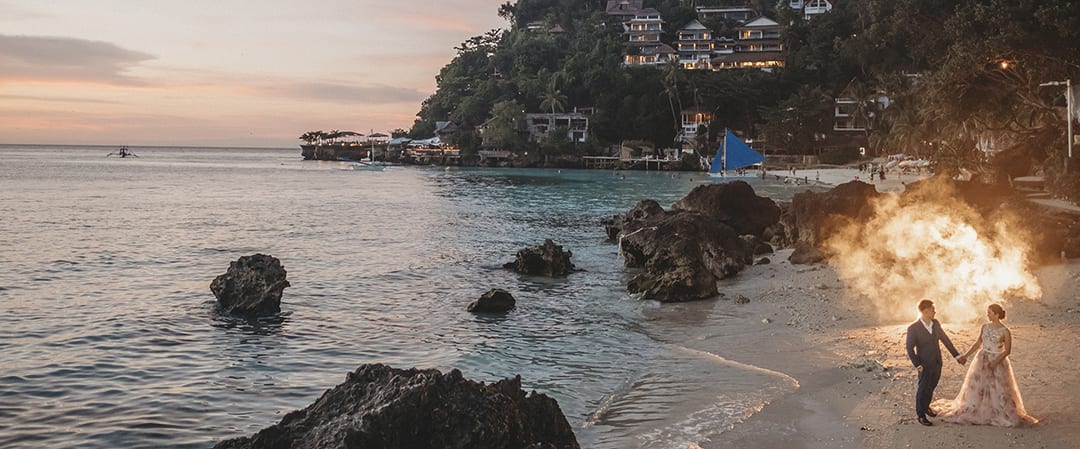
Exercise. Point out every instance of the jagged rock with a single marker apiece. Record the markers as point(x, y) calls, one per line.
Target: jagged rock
point(733, 203)
point(548, 259)
point(685, 251)
point(805, 255)
point(251, 286)
point(381, 407)
point(814, 215)
point(495, 300)
point(742, 300)
point(641, 211)
point(782, 233)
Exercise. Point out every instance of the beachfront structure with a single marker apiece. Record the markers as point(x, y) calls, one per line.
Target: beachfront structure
point(692, 120)
point(576, 123)
point(696, 46)
point(643, 45)
point(757, 45)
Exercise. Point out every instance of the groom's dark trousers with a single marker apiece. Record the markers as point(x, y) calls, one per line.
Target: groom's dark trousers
point(923, 350)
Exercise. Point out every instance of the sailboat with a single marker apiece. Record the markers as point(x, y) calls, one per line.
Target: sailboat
point(733, 154)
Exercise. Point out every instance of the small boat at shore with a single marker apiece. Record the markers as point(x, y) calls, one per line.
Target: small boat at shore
point(733, 155)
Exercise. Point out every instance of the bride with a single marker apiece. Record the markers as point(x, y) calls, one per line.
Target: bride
point(989, 394)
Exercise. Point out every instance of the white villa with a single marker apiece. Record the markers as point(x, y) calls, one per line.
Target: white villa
point(696, 46)
point(757, 46)
point(644, 46)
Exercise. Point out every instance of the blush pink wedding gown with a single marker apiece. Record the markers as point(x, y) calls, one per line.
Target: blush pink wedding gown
point(988, 396)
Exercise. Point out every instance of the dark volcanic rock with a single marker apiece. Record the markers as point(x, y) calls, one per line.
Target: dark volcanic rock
point(815, 214)
point(382, 407)
point(251, 286)
point(733, 203)
point(495, 300)
point(642, 211)
point(548, 259)
point(711, 235)
point(806, 255)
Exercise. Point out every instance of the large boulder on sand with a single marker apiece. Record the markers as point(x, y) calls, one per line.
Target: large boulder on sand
point(683, 255)
point(495, 300)
point(733, 203)
point(548, 259)
point(684, 252)
point(382, 407)
point(251, 286)
point(814, 215)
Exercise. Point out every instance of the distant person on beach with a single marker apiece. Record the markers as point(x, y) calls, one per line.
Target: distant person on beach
point(924, 337)
point(989, 395)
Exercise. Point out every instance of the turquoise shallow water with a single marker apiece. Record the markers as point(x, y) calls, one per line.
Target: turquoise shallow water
point(109, 337)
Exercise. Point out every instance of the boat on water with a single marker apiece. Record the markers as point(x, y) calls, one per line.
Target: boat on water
point(122, 152)
point(733, 155)
point(370, 165)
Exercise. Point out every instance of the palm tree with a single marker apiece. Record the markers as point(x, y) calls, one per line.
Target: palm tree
point(334, 135)
point(670, 81)
point(553, 99)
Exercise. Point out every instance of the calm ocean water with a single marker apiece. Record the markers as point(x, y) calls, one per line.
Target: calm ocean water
point(109, 336)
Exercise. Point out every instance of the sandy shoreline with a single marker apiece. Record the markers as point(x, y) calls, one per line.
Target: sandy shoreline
point(856, 386)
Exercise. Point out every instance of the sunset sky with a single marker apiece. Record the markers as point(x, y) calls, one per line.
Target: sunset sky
point(222, 72)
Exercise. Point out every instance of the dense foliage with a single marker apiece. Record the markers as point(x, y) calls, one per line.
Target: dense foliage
point(930, 77)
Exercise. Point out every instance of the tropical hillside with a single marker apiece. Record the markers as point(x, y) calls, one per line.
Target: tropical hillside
point(964, 83)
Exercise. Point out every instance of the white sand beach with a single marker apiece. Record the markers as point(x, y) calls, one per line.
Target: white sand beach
point(856, 386)
point(894, 180)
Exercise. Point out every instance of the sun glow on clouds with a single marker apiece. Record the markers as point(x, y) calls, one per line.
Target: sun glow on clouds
point(74, 72)
point(930, 245)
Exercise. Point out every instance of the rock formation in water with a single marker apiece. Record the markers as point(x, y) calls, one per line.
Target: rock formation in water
point(382, 407)
point(252, 286)
point(547, 259)
point(495, 300)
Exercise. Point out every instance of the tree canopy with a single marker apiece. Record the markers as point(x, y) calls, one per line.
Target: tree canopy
point(927, 76)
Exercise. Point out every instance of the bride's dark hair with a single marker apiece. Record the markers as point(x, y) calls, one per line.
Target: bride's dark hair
point(998, 310)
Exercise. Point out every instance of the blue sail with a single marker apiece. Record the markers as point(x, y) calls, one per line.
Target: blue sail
point(737, 155)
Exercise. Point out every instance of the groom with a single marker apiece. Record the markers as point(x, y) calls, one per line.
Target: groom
point(922, 348)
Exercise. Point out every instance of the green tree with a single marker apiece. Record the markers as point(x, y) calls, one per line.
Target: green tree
point(505, 130)
point(793, 125)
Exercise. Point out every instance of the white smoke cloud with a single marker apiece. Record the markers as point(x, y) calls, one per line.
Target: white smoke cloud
point(930, 245)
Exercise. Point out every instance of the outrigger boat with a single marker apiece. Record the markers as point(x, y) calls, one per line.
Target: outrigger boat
point(123, 152)
point(733, 154)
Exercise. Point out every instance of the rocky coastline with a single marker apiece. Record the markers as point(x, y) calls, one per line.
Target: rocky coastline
point(681, 254)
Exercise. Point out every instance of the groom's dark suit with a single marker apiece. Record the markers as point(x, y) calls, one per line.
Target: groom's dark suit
point(924, 351)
